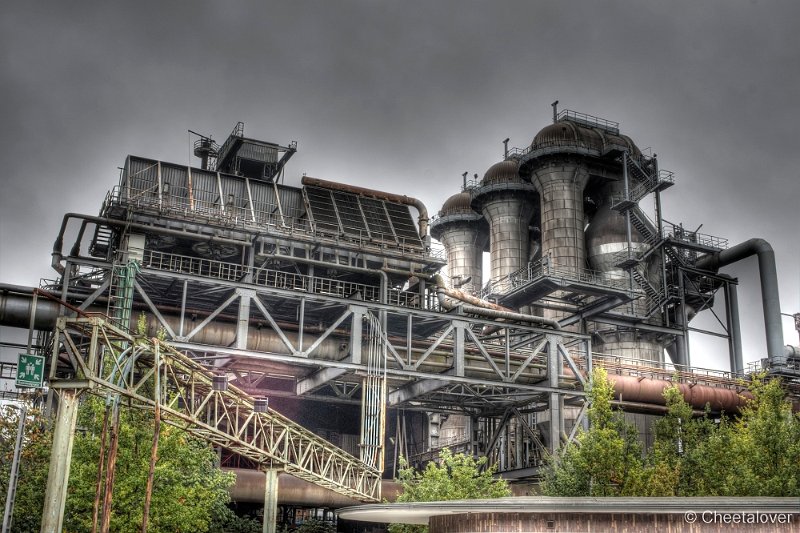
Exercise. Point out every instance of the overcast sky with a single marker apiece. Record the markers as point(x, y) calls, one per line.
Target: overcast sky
point(406, 96)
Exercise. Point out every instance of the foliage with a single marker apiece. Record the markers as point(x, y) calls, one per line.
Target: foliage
point(453, 477)
point(33, 467)
point(226, 521)
point(754, 454)
point(187, 483)
point(606, 460)
point(312, 525)
point(190, 493)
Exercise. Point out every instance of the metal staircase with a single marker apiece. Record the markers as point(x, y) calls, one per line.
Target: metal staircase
point(101, 241)
point(643, 177)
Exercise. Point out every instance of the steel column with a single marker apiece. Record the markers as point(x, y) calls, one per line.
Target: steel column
point(243, 320)
point(734, 328)
point(270, 500)
point(554, 398)
point(55, 495)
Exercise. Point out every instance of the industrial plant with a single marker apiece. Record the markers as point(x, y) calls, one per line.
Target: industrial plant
point(316, 331)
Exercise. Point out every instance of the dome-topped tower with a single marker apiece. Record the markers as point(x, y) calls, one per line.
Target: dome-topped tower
point(558, 165)
point(464, 234)
point(567, 136)
point(507, 202)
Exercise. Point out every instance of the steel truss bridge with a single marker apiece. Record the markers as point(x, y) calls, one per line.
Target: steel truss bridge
point(105, 359)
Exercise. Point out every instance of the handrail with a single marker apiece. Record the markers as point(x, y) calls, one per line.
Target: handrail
point(679, 233)
point(211, 268)
point(547, 268)
point(589, 120)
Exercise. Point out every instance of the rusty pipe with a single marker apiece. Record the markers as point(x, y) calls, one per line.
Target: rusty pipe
point(651, 391)
point(249, 488)
point(378, 195)
point(477, 306)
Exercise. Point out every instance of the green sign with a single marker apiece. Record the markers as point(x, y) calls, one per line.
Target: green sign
point(30, 371)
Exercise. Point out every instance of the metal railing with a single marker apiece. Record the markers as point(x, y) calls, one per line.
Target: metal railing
point(277, 279)
point(237, 132)
point(642, 188)
point(589, 120)
point(662, 370)
point(517, 153)
point(679, 233)
point(545, 268)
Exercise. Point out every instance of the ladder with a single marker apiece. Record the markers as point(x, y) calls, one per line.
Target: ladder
point(120, 292)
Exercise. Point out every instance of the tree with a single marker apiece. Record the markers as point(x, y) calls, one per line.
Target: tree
point(188, 486)
point(190, 492)
point(33, 468)
point(765, 440)
point(606, 460)
point(754, 454)
point(678, 463)
point(452, 477)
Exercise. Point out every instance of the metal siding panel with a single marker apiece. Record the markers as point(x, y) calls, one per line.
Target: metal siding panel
point(264, 203)
point(205, 191)
point(379, 225)
point(350, 214)
point(403, 223)
point(143, 179)
point(178, 179)
point(292, 202)
point(258, 152)
point(322, 210)
point(234, 190)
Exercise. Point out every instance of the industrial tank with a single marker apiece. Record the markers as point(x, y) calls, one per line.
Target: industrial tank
point(464, 234)
point(506, 202)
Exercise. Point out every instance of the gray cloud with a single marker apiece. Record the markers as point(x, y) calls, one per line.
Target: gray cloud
point(404, 96)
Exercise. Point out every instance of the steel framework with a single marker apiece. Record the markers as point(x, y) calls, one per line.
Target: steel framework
point(92, 354)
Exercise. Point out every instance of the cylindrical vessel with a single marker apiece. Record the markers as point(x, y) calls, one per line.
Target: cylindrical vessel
point(506, 202)
point(464, 234)
point(607, 246)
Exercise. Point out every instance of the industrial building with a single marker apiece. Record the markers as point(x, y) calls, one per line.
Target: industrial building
point(330, 310)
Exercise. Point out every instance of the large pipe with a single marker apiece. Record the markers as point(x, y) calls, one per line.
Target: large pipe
point(249, 488)
point(770, 298)
point(15, 310)
point(378, 195)
point(476, 306)
point(651, 391)
point(488, 312)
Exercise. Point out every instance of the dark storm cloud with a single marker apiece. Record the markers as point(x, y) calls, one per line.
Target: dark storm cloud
point(404, 96)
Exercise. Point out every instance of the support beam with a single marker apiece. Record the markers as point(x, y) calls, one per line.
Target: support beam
point(554, 398)
point(320, 378)
point(270, 500)
point(243, 318)
point(55, 495)
point(412, 390)
point(734, 329)
point(154, 309)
